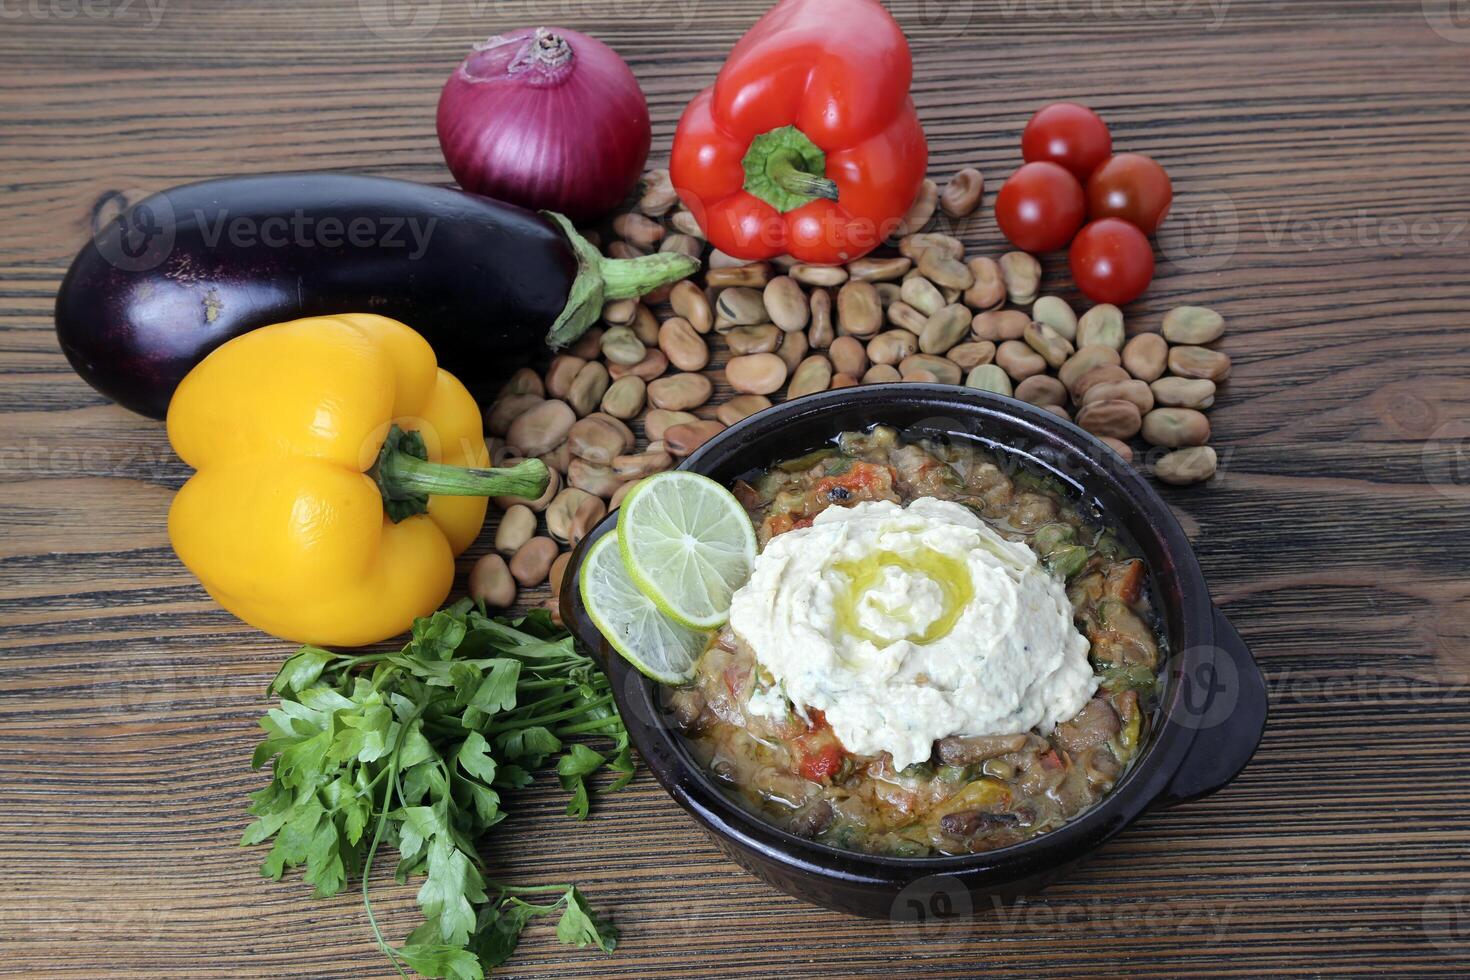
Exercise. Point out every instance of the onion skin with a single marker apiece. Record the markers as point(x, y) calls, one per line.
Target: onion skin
point(546, 118)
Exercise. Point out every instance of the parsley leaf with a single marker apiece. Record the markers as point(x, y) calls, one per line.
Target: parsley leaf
point(411, 748)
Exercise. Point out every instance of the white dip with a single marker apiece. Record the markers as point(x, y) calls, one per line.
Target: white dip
point(907, 624)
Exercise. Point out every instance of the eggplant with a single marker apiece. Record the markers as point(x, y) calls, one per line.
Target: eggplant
point(183, 271)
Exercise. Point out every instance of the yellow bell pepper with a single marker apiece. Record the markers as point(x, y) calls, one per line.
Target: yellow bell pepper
point(330, 496)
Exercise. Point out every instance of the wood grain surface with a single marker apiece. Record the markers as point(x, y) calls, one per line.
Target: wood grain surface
point(1322, 166)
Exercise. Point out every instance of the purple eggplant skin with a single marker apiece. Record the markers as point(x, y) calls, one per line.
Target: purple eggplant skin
point(181, 272)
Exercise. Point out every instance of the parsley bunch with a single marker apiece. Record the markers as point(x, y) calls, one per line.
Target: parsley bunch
point(411, 749)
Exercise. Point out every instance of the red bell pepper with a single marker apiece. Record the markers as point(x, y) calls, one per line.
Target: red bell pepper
point(808, 143)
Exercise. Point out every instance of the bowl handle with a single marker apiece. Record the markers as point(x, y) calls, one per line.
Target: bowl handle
point(1225, 696)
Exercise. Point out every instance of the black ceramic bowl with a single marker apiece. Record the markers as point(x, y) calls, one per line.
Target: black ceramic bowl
point(1212, 708)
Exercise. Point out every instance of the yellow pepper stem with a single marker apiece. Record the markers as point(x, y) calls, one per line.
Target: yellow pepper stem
point(406, 478)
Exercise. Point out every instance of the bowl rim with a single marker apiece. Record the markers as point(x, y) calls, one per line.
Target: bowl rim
point(1144, 783)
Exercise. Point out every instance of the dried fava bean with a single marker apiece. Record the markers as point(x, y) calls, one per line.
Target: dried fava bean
point(742, 305)
point(592, 477)
point(721, 260)
point(553, 487)
point(840, 380)
point(786, 304)
point(1118, 446)
point(1176, 427)
point(1042, 389)
point(561, 373)
point(879, 270)
point(905, 317)
point(686, 223)
point(892, 346)
point(812, 375)
point(1185, 466)
point(919, 212)
point(1103, 326)
point(621, 345)
point(929, 367)
point(659, 294)
point(682, 344)
point(1118, 419)
point(517, 526)
point(1021, 273)
point(646, 326)
point(762, 339)
point(1193, 325)
point(636, 466)
point(659, 420)
point(849, 356)
point(618, 426)
point(491, 583)
point(741, 407)
point(1019, 360)
point(507, 409)
point(681, 440)
point(961, 196)
point(998, 325)
point(989, 289)
point(1145, 356)
point(559, 459)
point(914, 246)
point(654, 363)
point(499, 452)
point(753, 275)
point(1199, 362)
point(859, 310)
point(1056, 410)
point(944, 271)
point(559, 514)
point(944, 329)
point(793, 349)
point(1055, 313)
point(755, 374)
point(818, 275)
point(638, 229)
point(681, 392)
point(588, 346)
point(625, 250)
point(532, 563)
point(888, 293)
point(1102, 374)
point(558, 572)
point(616, 500)
point(541, 428)
point(821, 332)
point(989, 377)
point(624, 397)
point(689, 302)
point(597, 440)
point(619, 312)
point(590, 384)
point(1085, 360)
point(1132, 390)
point(1052, 346)
point(685, 244)
point(972, 354)
point(922, 295)
point(658, 195)
point(1184, 392)
point(523, 382)
point(881, 374)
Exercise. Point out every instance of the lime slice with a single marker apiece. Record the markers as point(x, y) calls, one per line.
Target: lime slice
point(688, 545)
point(645, 637)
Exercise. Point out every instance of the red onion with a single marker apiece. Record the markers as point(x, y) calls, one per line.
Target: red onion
point(549, 119)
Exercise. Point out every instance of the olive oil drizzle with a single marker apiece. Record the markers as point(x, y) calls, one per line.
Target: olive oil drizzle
point(951, 574)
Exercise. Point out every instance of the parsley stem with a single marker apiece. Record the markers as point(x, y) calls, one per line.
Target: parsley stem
point(610, 723)
point(572, 712)
point(367, 868)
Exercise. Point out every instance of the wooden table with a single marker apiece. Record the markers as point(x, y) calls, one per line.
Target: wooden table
point(1322, 164)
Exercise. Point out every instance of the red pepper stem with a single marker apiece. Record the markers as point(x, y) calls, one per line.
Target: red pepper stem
point(784, 169)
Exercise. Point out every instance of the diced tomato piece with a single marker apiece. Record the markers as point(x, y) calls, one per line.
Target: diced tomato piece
point(821, 765)
point(860, 476)
point(781, 523)
point(1051, 760)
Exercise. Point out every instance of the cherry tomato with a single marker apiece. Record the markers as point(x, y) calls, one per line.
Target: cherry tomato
point(1040, 207)
point(1068, 134)
point(1133, 187)
point(1111, 261)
